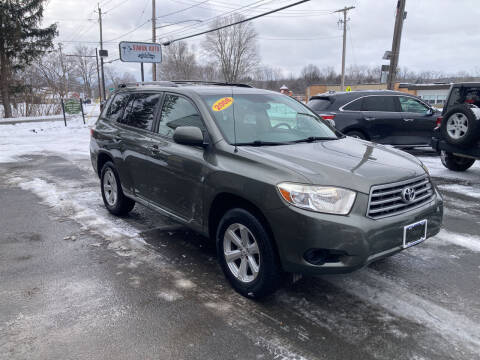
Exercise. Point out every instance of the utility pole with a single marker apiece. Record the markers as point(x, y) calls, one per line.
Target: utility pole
point(64, 82)
point(154, 40)
point(101, 48)
point(344, 21)
point(397, 37)
point(98, 76)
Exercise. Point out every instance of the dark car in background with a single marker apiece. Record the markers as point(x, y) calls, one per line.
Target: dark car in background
point(382, 116)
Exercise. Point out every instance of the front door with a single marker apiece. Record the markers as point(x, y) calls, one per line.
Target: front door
point(420, 120)
point(180, 169)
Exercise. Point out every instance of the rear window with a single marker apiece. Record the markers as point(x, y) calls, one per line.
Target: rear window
point(379, 103)
point(319, 104)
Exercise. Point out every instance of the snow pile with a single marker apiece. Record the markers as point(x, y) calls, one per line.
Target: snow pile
point(49, 137)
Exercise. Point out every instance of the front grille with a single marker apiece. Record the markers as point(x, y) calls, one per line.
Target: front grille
point(387, 200)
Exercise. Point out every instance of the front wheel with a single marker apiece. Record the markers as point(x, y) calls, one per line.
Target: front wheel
point(247, 255)
point(455, 163)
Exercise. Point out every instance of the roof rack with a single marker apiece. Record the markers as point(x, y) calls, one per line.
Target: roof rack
point(176, 83)
point(138, 83)
point(216, 83)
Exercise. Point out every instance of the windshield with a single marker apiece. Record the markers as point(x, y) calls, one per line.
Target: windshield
point(265, 119)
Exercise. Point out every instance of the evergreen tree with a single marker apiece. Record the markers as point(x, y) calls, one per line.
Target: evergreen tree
point(21, 41)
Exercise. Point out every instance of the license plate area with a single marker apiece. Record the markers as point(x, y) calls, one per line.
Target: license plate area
point(414, 233)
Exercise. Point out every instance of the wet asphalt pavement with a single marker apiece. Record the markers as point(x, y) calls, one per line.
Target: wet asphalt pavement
point(78, 283)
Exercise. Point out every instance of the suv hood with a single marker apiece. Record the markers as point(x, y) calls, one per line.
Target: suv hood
point(350, 163)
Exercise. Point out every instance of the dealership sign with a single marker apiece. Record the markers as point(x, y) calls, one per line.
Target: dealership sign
point(140, 52)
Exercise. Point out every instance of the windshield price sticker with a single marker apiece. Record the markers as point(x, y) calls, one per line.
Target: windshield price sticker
point(222, 104)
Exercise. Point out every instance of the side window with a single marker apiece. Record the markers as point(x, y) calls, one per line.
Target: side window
point(379, 103)
point(178, 111)
point(118, 104)
point(455, 96)
point(354, 106)
point(141, 113)
point(408, 104)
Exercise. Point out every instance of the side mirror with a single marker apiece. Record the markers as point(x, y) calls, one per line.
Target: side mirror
point(430, 112)
point(189, 135)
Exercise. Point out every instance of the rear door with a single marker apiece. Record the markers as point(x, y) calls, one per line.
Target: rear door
point(139, 143)
point(419, 120)
point(382, 120)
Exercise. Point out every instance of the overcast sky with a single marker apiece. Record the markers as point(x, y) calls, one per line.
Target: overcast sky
point(440, 35)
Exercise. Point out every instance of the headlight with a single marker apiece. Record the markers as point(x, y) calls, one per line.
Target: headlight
point(325, 199)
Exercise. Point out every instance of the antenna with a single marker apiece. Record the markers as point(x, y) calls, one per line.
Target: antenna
point(234, 127)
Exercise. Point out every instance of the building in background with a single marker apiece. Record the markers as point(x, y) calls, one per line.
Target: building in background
point(435, 94)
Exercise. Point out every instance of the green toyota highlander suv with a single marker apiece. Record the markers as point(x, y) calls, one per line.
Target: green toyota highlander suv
point(278, 189)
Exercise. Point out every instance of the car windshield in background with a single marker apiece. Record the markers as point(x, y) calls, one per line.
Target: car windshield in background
point(266, 119)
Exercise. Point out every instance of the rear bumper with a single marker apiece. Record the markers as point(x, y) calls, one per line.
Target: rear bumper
point(359, 240)
point(439, 144)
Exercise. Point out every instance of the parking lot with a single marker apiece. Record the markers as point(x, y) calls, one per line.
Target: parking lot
point(78, 281)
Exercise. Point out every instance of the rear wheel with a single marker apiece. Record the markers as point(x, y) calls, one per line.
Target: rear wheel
point(246, 254)
point(113, 198)
point(455, 163)
point(357, 135)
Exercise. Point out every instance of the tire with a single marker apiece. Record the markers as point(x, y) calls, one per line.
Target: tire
point(460, 126)
point(357, 135)
point(248, 230)
point(455, 163)
point(113, 198)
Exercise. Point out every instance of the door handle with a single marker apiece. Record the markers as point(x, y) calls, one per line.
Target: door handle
point(408, 119)
point(369, 118)
point(156, 151)
point(117, 139)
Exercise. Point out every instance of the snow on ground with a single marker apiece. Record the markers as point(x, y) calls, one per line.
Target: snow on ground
point(49, 137)
point(437, 169)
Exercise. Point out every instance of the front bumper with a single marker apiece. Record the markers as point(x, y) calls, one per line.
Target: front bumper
point(359, 239)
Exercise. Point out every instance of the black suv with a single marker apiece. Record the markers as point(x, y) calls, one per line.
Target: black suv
point(458, 132)
point(382, 116)
point(276, 188)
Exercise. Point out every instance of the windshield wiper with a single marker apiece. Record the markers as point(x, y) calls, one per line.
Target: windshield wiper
point(306, 114)
point(314, 138)
point(261, 143)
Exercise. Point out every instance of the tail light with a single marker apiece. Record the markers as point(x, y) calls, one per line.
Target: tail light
point(327, 116)
point(439, 121)
point(92, 132)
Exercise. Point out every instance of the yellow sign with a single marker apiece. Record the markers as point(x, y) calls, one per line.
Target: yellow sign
point(222, 104)
point(349, 88)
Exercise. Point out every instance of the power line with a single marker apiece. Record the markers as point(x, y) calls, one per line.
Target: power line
point(237, 22)
point(213, 18)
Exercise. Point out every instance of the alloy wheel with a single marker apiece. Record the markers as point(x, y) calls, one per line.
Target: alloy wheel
point(110, 187)
point(241, 253)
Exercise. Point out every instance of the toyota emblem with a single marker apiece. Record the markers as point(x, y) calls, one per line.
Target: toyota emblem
point(408, 194)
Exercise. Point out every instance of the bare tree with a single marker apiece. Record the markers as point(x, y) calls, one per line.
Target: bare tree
point(85, 67)
point(234, 48)
point(113, 78)
point(57, 73)
point(179, 62)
